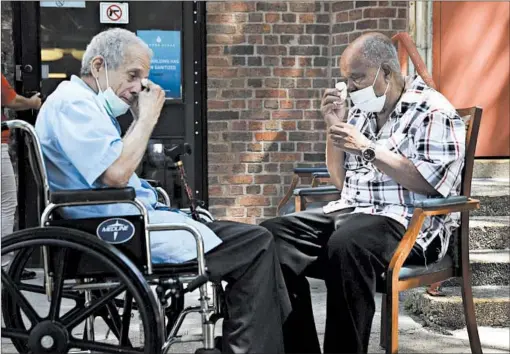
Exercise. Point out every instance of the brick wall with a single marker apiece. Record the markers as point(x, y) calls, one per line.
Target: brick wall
point(268, 64)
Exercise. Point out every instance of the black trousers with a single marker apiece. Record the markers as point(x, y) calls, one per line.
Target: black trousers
point(350, 252)
point(256, 296)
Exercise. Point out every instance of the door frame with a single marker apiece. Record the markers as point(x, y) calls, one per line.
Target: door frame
point(26, 33)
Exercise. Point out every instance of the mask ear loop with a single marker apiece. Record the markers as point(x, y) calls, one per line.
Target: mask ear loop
point(387, 86)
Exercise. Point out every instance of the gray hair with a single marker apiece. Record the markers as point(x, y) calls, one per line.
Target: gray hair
point(111, 45)
point(378, 50)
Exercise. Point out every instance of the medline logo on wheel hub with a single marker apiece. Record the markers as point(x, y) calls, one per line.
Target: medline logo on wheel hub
point(115, 231)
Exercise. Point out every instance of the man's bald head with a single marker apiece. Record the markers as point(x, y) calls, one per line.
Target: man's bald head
point(372, 60)
point(372, 49)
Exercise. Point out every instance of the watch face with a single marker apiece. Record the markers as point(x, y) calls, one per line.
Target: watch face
point(369, 154)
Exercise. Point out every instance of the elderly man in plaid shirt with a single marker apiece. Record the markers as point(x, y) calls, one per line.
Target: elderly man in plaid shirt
point(400, 142)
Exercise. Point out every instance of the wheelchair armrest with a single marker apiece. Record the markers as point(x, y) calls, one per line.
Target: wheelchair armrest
point(316, 191)
point(309, 170)
point(440, 202)
point(93, 195)
point(154, 183)
point(321, 175)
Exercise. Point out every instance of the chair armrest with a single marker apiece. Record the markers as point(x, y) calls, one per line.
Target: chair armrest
point(309, 170)
point(113, 195)
point(154, 183)
point(439, 206)
point(321, 175)
point(316, 191)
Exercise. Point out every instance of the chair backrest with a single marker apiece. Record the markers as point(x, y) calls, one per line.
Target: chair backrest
point(472, 118)
point(35, 159)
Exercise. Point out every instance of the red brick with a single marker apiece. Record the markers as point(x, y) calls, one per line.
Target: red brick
point(306, 18)
point(288, 61)
point(272, 125)
point(286, 104)
point(254, 72)
point(220, 18)
point(304, 61)
point(237, 212)
point(271, 167)
point(271, 104)
point(402, 13)
point(272, 17)
point(241, 6)
point(285, 156)
point(272, 82)
point(254, 104)
point(254, 211)
point(288, 29)
point(239, 168)
point(217, 61)
point(212, 104)
point(253, 157)
point(287, 83)
point(254, 200)
point(239, 104)
point(255, 115)
point(271, 136)
point(253, 189)
point(222, 201)
point(305, 6)
point(239, 125)
point(272, 50)
point(221, 158)
point(305, 125)
point(288, 72)
point(237, 179)
point(287, 115)
point(256, 147)
point(214, 7)
point(236, 190)
point(222, 72)
point(255, 125)
point(399, 24)
point(255, 39)
point(379, 12)
point(255, 28)
point(304, 147)
point(221, 29)
point(267, 179)
point(270, 190)
point(289, 125)
point(342, 16)
point(216, 191)
point(214, 50)
point(320, 72)
point(303, 104)
point(270, 93)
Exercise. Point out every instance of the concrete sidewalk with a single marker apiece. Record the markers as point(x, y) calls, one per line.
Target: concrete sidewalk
point(413, 337)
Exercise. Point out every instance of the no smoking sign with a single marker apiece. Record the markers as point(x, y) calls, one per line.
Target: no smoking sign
point(114, 12)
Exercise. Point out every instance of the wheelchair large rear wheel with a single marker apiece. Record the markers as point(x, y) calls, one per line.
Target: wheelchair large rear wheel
point(59, 328)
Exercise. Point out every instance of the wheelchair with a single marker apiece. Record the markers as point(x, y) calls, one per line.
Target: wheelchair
point(100, 269)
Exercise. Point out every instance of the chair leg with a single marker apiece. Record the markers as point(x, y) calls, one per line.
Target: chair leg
point(384, 320)
point(392, 323)
point(469, 314)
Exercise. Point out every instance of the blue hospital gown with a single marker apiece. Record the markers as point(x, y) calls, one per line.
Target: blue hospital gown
point(80, 141)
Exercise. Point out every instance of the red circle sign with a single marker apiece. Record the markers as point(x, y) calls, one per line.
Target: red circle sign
point(114, 12)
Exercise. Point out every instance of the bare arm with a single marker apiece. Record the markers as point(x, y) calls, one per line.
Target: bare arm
point(21, 103)
point(136, 139)
point(335, 163)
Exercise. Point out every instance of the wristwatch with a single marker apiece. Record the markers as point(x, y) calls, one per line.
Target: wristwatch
point(368, 153)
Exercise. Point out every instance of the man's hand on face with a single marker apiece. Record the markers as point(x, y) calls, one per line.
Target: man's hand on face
point(347, 138)
point(333, 107)
point(150, 102)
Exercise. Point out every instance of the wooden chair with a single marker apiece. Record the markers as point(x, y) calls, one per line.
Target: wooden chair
point(400, 277)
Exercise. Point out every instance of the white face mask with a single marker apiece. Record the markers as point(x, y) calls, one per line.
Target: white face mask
point(114, 105)
point(366, 99)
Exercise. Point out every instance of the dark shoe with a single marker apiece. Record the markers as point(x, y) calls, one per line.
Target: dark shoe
point(27, 274)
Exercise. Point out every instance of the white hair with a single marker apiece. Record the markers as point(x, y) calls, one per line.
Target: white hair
point(379, 50)
point(111, 45)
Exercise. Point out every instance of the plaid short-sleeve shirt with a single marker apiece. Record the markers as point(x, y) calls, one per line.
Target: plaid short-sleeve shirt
point(426, 129)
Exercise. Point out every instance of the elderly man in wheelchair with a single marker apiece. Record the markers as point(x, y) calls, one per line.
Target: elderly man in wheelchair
point(110, 249)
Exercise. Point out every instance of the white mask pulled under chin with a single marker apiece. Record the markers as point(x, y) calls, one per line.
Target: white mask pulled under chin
point(366, 99)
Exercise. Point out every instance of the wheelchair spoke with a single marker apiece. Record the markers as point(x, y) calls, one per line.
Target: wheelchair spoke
point(70, 323)
point(58, 278)
point(18, 297)
point(12, 333)
point(126, 319)
point(102, 347)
